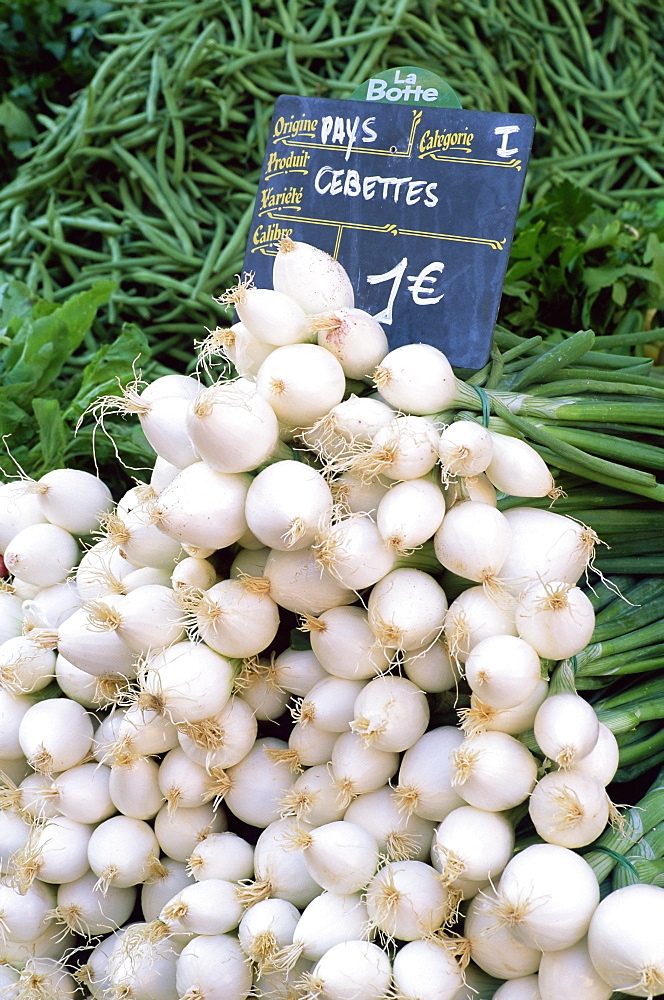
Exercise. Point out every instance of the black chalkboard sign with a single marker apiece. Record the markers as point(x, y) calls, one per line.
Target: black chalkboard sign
point(418, 203)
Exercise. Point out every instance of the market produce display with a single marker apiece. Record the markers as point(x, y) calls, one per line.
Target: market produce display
point(157, 117)
point(326, 670)
point(296, 715)
point(147, 174)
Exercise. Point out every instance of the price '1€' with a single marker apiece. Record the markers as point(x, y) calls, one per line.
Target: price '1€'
point(424, 289)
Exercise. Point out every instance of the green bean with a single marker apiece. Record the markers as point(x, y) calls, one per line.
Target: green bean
point(58, 242)
point(63, 140)
point(290, 26)
point(20, 189)
point(195, 53)
point(577, 138)
point(94, 195)
point(178, 135)
point(586, 89)
point(195, 207)
point(15, 223)
point(143, 171)
point(156, 278)
point(17, 262)
point(370, 35)
point(628, 192)
point(160, 165)
point(82, 222)
point(160, 241)
point(245, 58)
point(210, 262)
point(533, 22)
point(188, 16)
point(144, 254)
point(235, 243)
point(139, 120)
point(572, 14)
point(69, 249)
point(47, 284)
point(649, 170)
point(106, 68)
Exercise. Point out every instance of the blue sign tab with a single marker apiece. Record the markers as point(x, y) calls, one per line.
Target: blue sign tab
point(418, 203)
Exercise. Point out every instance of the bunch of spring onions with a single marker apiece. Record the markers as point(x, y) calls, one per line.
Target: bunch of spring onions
point(226, 767)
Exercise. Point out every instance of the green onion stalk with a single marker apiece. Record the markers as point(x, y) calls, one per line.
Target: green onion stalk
point(562, 401)
point(642, 824)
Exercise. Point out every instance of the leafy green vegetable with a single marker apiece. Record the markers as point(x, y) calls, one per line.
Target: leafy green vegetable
point(48, 384)
point(41, 344)
point(576, 264)
point(52, 432)
point(48, 49)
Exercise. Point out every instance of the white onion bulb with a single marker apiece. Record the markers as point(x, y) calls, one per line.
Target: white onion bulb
point(312, 277)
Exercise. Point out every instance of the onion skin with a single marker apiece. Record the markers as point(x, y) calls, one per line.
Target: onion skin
point(473, 541)
point(416, 378)
point(556, 618)
point(427, 969)
point(566, 727)
point(625, 940)
point(546, 896)
point(213, 966)
point(569, 972)
point(569, 808)
point(232, 428)
point(465, 449)
point(517, 469)
point(545, 546)
point(493, 771)
point(312, 277)
point(492, 947)
point(602, 761)
point(503, 670)
point(203, 507)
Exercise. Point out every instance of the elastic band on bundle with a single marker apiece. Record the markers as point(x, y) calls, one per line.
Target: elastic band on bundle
point(620, 859)
point(486, 404)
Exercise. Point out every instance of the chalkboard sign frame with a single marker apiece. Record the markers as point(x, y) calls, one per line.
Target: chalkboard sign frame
point(418, 203)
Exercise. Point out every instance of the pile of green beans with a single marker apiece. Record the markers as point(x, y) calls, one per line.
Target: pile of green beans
point(148, 175)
